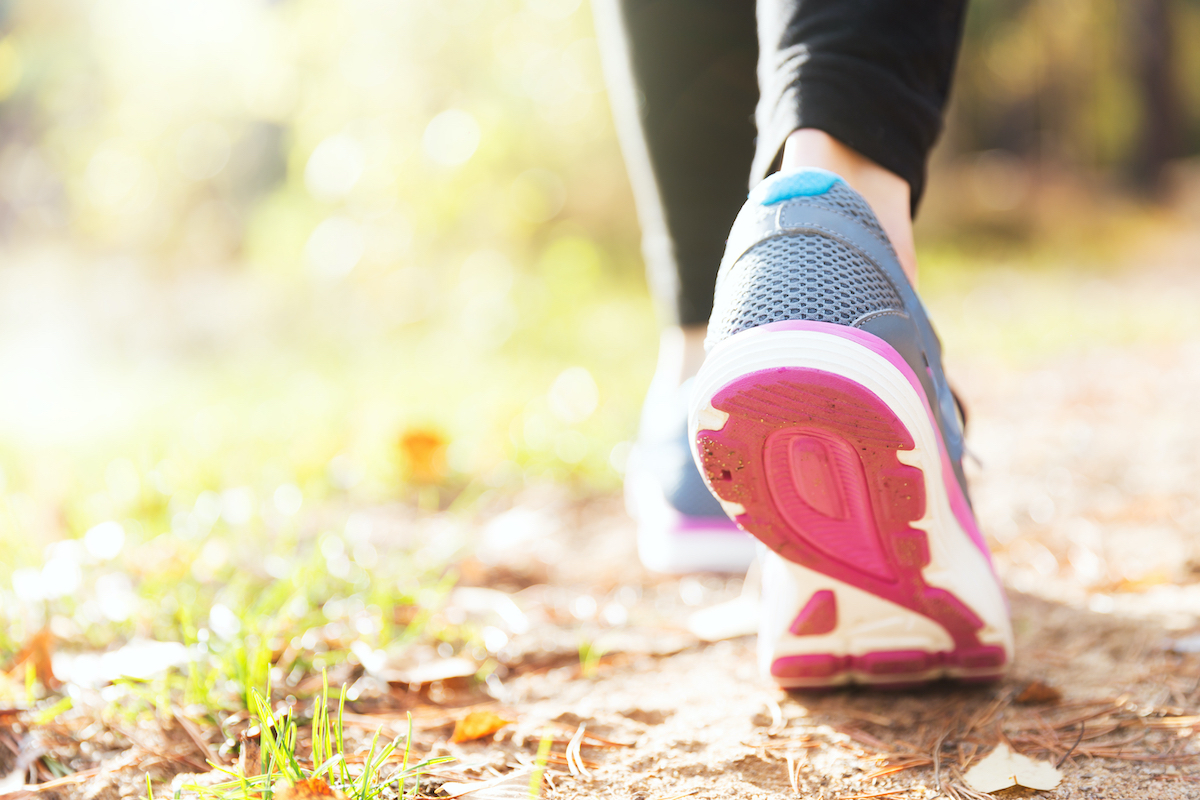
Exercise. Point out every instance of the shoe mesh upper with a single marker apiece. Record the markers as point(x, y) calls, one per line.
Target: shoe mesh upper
point(844, 200)
point(799, 277)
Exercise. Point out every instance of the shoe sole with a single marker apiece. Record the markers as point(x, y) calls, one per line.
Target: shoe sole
point(818, 439)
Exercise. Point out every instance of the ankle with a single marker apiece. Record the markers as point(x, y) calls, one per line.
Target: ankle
point(886, 192)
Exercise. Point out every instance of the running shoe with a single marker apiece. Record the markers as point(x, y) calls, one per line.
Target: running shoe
point(681, 527)
point(823, 422)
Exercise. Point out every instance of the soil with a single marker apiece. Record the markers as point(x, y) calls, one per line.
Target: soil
point(1085, 442)
point(1084, 473)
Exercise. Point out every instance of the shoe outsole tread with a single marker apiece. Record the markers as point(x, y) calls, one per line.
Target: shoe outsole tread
point(825, 472)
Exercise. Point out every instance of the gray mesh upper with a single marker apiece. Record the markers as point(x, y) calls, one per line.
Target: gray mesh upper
point(799, 277)
point(844, 200)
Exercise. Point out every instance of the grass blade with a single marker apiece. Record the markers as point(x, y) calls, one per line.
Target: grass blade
point(539, 764)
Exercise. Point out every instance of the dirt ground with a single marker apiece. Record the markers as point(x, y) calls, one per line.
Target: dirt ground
point(699, 721)
point(1084, 442)
point(1084, 473)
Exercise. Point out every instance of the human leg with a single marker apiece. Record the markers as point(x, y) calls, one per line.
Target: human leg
point(681, 83)
point(821, 417)
point(682, 88)
point(858, 89)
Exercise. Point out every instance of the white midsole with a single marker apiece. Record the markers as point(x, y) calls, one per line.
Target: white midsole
point(956, 563)
point(866, 623)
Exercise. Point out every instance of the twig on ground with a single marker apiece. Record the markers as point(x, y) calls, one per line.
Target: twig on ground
point(937, 760)
point(865, 738)
point(804, 740)
point(595, 741)
point(985, 716)
point(1108, 709)
point(964, 757)
point(680, 796)
point(193, 733)
point(867, 716)
point(793, 768)
point(1066, 755)
point(1171, 723)
point(892, 769)
point(561, 760)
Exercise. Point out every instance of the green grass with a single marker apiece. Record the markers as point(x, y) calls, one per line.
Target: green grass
point(283, 764)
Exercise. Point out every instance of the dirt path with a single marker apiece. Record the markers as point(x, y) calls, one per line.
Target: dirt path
point(701, 719)
point(1083, 393)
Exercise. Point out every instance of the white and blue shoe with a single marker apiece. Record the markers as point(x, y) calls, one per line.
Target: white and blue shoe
point(681, 527)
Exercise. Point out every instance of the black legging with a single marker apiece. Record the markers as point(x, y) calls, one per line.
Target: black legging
point(693, 123)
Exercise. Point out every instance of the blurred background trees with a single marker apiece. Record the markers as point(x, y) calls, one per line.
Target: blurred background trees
point(1096, 86)
point(281, 133)
point(252, 244)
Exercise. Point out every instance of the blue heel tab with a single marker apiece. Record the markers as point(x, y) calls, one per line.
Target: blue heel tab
point(787, 185)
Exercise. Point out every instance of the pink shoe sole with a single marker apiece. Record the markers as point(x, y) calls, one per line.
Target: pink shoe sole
point(827, 474)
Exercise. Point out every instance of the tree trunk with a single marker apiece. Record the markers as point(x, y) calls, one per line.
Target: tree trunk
point(1160, 131)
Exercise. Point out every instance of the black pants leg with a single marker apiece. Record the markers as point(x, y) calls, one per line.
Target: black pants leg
point(874, 74)
point(681, 84)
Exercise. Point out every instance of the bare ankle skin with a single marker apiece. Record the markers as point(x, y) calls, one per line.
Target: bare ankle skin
point(885, 191)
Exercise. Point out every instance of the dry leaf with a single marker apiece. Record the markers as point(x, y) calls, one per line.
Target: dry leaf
point(250, 752)
point(1004, 768)
point(311, 789)
point(12, 782)
point(476, 725)
point(513, 785)
point(1038, 693)
point(37, 651)
point(424, 455)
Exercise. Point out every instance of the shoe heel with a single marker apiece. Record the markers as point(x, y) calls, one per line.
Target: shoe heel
point(818, 443)
point(818, 632)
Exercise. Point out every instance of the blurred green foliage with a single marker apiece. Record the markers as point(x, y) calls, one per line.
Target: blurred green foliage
point(1072, 81)
point(267, 264)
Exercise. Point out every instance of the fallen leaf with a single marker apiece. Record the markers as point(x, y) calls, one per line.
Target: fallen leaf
point(441, 670)
point(1004, 768)
point(424, 455)
point(37, 651)
point(476, 725)
point(514, 785)
point(250, 752)
point(13, 781)
point(311, 789)
point(1038, 693)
